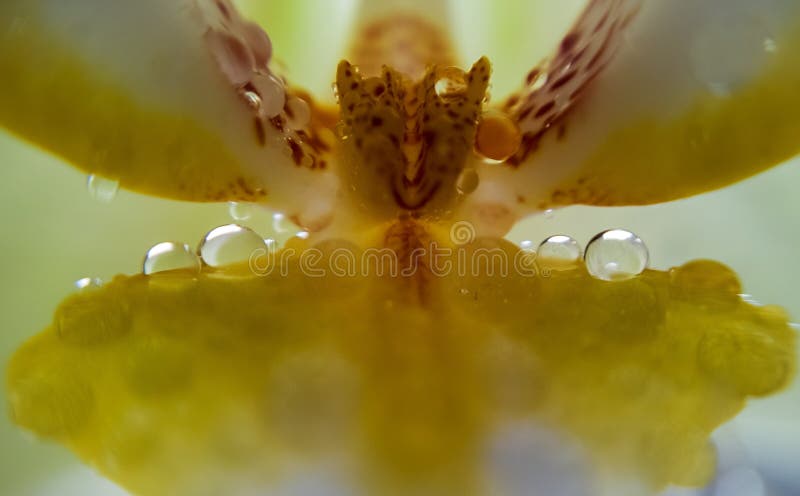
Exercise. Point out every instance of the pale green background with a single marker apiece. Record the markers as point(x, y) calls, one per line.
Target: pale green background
point(53, 233)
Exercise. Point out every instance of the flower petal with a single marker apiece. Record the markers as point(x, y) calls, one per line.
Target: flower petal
point(174, 99)
point(645, 102)
point(231, 383)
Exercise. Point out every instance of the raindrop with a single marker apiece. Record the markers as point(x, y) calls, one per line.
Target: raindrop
point(497, 137)
point(169, 256)
point(616, 255)
point(230, 244)
point(280, 224)
point(87, 283)
point(252, 99)
point(467, 181)
point(240, 211)
point(272, 93)
point(102, 189)
point(559, 252)
point(452, 83)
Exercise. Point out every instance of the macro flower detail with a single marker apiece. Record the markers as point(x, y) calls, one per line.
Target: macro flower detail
point(398, 344)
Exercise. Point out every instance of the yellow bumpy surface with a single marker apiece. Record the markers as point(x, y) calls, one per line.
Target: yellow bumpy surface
point(229, 383)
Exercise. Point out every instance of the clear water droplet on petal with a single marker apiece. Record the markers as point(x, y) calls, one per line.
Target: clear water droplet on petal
point(88, 283)
point(240, 211)
point(102, 189)
point(559, 253)
point(170, 256)
point(467, 181)
point(616, 255)
point(230, 244)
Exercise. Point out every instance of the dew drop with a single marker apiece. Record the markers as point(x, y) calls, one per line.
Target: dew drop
point(280, 224)
point(240, 211)
point(230, 244)
point(467, 181)
point(452, 83)
point(616, 255)
point(497, 137)
point(272, 94)
point(170, 256)
point(102, 189)
point(88, 283)
point(558, 252)
point(549, 213)
point(252, 99)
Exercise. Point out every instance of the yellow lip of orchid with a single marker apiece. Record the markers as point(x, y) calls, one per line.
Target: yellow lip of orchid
point(395, 348)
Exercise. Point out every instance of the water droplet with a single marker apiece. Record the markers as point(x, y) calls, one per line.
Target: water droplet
point(616, 255)
point(170, 256)
point(497, 137)
point(299, 113)
point(230, 244)
point(549, 213)
point(280, 224)
point(252, 99)
point(467, 181)
point(335, 90)
point(464, 291)
point(452, 83)
point(240, 211)
point(88, 283)
point(558, 252)
point(102, 189)
point(770, 45)
point(272, 93)
point(526, 245)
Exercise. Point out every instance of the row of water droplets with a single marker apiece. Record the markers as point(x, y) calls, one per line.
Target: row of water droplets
point(613, 255)
point(225, 245)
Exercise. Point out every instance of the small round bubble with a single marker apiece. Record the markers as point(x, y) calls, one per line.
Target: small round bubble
point(559, 252)
point(616, 255)
point(230, 244)
point(170, 256)
point(102, 189)
point(240, 211)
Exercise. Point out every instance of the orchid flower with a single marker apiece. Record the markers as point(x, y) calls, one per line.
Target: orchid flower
point(399, 344)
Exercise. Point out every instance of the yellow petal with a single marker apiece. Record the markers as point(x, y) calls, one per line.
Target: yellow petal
point(159, 96)
point(646, 102)
point(228, 383)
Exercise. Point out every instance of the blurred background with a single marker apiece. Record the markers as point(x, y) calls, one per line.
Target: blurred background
point(55, 234)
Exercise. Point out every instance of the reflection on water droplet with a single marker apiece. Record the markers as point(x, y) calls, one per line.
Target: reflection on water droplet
point(616, 255)
point(769, 45)
point(497, 137)
point(230, 244)
point(88, 283)
point(558, 252)
point(280, 224)
point(169, 256)
point(302, 234)
point(452, 83)
point(335, 90)
point(464, 291)
point(549, 213)
point(240, 211)
point(526, 245)
point(273, 95)
point(252, 99)
point(102, 189)
point(467, 181)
